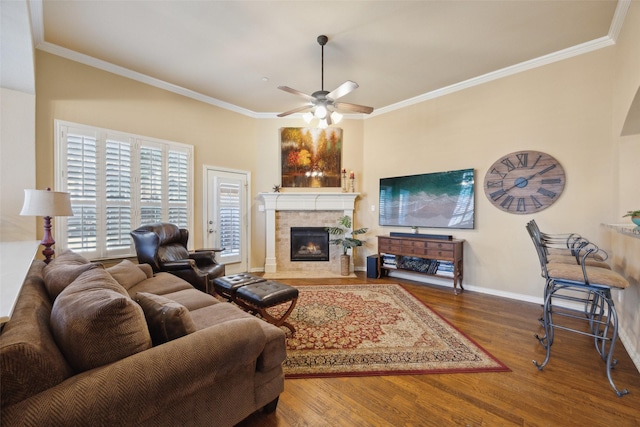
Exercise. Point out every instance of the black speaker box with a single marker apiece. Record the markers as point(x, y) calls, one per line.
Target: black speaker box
point(372, 266)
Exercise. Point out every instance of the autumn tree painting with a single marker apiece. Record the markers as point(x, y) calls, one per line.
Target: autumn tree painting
point(311, 157)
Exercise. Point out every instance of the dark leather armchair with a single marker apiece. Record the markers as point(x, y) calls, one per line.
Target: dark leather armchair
point(164, 247)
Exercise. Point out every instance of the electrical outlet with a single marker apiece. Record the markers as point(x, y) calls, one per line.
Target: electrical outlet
point(373, 208)
point(261, 208)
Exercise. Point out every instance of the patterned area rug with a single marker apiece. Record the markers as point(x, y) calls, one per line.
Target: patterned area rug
point(359, 330)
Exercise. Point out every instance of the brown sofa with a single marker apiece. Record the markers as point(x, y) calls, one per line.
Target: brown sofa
point(120, 346)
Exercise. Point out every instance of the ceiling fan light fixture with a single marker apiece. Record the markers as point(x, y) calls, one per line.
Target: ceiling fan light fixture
point(336, 117)
point(308, 116)
point(322, 124)
point(320, 112)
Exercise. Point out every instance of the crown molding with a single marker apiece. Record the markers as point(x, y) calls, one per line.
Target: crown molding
point(37, 28)
point(618, 19)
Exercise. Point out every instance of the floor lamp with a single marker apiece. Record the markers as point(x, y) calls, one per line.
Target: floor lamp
point(46, 203)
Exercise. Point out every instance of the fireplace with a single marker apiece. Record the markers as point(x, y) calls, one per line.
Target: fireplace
point(284, 210)
point(309, 244)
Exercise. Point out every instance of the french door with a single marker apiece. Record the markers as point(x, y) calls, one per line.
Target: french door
point(227, 217)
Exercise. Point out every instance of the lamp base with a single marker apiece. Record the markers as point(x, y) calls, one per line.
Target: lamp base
point(47, 241)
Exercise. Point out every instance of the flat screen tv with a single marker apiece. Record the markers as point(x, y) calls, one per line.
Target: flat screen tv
point(437, 200)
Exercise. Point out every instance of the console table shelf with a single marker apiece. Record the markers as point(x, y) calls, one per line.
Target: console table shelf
point(425, 249)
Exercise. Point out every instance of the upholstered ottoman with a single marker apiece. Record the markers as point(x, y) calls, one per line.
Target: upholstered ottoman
point(258, 296)
point(227, 286)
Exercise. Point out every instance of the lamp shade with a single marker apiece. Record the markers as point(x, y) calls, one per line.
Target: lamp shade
point(46, 203)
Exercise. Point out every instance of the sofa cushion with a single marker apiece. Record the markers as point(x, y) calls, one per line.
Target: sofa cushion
point(146, 269)
point(30, 361)
point(67, 256)
point(95, 322)
point(192, 298)
point(166, 319)
point(63, 270)
point(160, 284)
point(127, 273)
point(61, 276)
point(275, 350)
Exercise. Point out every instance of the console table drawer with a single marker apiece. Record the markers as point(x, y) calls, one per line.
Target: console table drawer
point(439, 254)
point(442, 246)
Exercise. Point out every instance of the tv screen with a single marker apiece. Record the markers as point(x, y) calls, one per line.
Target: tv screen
point(438, 200)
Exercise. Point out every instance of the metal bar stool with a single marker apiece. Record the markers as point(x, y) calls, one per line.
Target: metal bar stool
point(588, 285)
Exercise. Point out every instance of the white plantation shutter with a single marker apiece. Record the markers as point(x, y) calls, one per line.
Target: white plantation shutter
point(178, 187)
point(230, 222)
point(82, 183)
point(151, 177)
point(118, 182)
point(118, 195)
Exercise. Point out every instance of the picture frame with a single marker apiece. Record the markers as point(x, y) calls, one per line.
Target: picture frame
point(310, 157)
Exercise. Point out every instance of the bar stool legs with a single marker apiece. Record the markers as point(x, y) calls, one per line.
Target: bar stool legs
point(599, 312)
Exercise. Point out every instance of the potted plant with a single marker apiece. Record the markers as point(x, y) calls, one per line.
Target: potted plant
point(635, 216)
point(351, 241)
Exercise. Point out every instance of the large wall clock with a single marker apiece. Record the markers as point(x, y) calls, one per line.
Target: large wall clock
point(524, 182)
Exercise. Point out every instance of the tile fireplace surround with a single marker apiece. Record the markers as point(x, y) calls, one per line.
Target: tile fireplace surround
point(286, 210)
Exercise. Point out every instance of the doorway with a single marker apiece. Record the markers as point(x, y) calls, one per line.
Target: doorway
point(226, 216)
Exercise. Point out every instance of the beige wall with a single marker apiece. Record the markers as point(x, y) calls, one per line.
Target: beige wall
point(17, 169)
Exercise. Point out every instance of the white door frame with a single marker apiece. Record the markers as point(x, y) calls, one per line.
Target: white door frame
point(206, 192)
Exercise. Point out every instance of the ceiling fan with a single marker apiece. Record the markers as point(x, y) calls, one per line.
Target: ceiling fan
point(322, 102)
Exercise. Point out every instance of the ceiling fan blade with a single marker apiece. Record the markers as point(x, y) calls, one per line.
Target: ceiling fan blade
point(296, 92)
point(343, 89)
point(353, 108)
point(295, 110)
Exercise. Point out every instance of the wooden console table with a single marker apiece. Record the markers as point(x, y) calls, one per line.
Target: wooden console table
point(425, 249)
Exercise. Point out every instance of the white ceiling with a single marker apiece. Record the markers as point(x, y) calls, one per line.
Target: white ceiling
point(236, 53)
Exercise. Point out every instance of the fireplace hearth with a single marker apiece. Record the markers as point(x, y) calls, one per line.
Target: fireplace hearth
point(309, 244)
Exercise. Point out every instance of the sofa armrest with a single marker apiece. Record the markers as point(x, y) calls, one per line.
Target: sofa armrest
point(143, 386)
point(203, 256)
point(183, 264)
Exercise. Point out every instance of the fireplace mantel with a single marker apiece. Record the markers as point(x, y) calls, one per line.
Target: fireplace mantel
point(309, 201)
point(302, 201)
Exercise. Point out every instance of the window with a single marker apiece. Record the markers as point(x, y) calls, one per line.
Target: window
point(118, 182)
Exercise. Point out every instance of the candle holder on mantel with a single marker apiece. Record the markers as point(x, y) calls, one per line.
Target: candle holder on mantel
point(352, 182)
point(343, 182)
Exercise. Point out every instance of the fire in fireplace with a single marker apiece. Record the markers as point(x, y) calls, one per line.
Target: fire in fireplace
point(309, 244)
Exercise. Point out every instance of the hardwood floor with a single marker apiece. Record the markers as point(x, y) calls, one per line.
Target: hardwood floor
point(572, 390)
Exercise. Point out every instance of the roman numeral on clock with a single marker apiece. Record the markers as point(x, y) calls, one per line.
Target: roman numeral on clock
point(522, 205)
point(536, 203)
point(506, 203)
point(545, 192)
point(547, 169)
point(509, 164)
point(497, 194)
point(494, 184)
point(522, 159)
point(497, 172)
point(551, 181)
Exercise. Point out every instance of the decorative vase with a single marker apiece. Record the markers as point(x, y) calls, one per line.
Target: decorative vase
point(345, 261)
point(636, 220)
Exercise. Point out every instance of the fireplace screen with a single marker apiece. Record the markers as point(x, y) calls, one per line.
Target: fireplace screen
point(309, 244)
